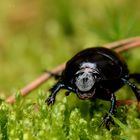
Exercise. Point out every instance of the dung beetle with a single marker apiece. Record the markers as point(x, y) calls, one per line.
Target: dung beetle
point(93, 73)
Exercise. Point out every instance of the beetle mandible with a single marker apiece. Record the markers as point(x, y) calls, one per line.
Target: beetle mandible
point(93, 73)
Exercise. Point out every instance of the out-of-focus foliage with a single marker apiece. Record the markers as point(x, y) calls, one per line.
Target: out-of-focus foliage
point(34, 34)
point(40, 34)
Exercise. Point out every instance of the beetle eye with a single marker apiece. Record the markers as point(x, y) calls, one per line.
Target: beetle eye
point(85, 81)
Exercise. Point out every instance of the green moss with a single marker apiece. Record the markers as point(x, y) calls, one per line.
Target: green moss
point(28, 120)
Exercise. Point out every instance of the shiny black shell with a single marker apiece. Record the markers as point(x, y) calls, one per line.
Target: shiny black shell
point(110, 65)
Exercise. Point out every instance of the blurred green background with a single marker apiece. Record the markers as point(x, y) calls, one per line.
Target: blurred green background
point(40, 34)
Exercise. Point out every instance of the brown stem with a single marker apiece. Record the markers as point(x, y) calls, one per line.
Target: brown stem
point(118, 46)
point(128, 46)
point(36, 83)
point(123, 43)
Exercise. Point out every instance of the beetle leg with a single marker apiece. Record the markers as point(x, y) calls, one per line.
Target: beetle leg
point(54, 90)
point(135, 76)
point(134, 88)
point(107, 119)
point(71, 89)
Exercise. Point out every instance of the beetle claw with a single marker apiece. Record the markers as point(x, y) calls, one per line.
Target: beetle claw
point(50, 100)
point(106, 122)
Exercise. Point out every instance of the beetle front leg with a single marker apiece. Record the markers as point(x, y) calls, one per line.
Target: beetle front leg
point(54, 90)
point(107, 119)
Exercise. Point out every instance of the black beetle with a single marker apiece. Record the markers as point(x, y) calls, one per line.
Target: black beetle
point(95, 73)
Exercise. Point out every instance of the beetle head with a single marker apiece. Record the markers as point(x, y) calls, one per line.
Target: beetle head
point(85, 80)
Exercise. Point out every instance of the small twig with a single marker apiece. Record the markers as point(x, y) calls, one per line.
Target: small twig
point(36, 83)
point(123, 43)
point(129, 46)
point(118, 46)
